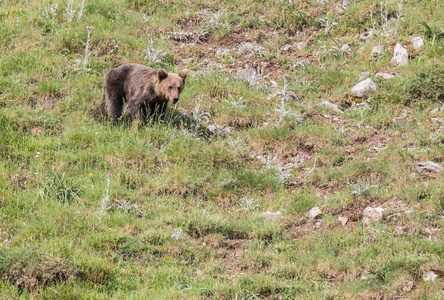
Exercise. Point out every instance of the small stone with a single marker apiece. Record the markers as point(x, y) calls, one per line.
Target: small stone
point(364, 88)
point(309, 146)
point(378, 51)
point(272, 216)
point(430, 276)
point(393, 217)
point(400, 55)
point(385, 75)
point(363, 76)
point(331, 106)
point(417, 42)
point(286, 47)
point(359, 138)
point(437, 110)
point(364, 274)
point(362, 50)
point(368, 35)
point(301, 45)
point(428, 167)
point(345, 48)
point(408, 286)
point(437, 120)
point(400, 230)
point(314, 213)
point(371, 214)
point(343, 220)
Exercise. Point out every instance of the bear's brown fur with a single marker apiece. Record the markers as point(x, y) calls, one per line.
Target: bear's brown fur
point(145, 91)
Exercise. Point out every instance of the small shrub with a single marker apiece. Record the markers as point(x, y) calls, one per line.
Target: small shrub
point(61, 189)
point(94, 271)
point(29, 269)
point(432, 33)
point(427, 84)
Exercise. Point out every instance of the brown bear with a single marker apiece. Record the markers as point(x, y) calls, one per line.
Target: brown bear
point(145, 91)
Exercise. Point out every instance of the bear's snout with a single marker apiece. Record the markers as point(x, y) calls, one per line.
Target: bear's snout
point(175, 100)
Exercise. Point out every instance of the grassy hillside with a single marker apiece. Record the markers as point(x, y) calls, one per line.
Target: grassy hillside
point(175, 210)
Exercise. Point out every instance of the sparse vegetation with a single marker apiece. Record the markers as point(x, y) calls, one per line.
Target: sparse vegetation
point(427, 83)
point(175, 210)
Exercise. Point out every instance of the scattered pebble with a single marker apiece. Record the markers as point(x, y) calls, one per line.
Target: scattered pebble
point(368, 35)
point(345, 48)
point(331, 106)
point(430, 276)
point(385, 75)
point(314, 213)
point(343, 220)
point(372, 214)
point(417, 42)
point(408, 286)
point(378, 51)
point(428, 167)
point(272, 216)
point(301, 45)
point(363, 76)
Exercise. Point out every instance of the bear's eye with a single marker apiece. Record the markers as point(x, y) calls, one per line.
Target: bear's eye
point(170, 88)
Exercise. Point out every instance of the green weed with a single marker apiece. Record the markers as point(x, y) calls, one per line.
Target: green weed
point(426, 84)
point(60, 189)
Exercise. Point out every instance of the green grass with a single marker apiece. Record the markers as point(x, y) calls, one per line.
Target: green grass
point(90, 211)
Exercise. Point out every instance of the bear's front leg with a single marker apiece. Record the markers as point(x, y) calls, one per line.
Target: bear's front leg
point(132, 107)
point(143, 114)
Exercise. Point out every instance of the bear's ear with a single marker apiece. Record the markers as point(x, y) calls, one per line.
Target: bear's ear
point(183, 74)
point(161, 74)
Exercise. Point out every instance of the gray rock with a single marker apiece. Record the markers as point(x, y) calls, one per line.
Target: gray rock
point(368, 35)
point(331, 106)
point(364, 88)
point(408, 286)
point(314, 213)
point(301, 45)
point(343, 220)
point(436, 110)
point(371, 214)
point(362, 50)
point(385, 75)
point(345, 48)
point(430, 276)
point(417, 42)
point(428, 167)
point(378, 51)
point(286, 47)
point(400, 55)
point(400, 230)
point(271, 215)
point(437, 120)
point(364, 274)
point(363, 76)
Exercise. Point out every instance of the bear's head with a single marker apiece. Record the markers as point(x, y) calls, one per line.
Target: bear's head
point(171, 85)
